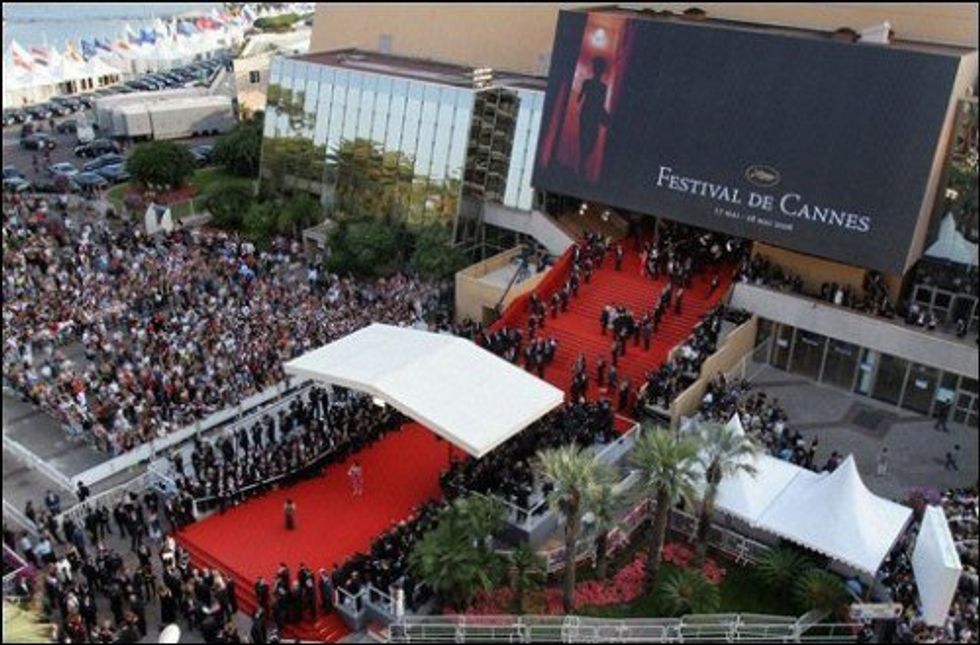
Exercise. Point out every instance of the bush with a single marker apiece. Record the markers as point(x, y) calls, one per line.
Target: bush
point(228, 202)
point(687, 591)
point(821, 590)
point(434, 256)
point(240, 149)
point(161, 165)
point(365, 248)
point(260, 223)
point(781, 566)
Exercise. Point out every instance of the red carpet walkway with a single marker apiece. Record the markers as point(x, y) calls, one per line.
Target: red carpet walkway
point(577, 330)
point(400, 472)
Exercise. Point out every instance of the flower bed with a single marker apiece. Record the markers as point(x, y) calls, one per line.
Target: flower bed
point(623, 588)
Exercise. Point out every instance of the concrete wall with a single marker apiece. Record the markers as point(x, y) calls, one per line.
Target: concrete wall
point(814, 271)
point(895, 338)
point(519, 38)
point(473, 294)
point(538, 225)
point(739, 343)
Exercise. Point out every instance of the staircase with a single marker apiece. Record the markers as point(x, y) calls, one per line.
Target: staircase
point(578, 330)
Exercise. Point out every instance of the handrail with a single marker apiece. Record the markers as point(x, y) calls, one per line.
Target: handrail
point(34, 462)
point(511, 282)
point(25, 522)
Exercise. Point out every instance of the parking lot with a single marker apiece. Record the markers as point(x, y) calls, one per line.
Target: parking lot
point(15, 155)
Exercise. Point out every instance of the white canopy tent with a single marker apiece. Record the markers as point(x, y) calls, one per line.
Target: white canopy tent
point(835, 514)
point(936, 565)
point(460, 391)
point(952, 245)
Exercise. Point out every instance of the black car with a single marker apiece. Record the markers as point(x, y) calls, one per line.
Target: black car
point(86, 101)
point(95, 148)
point(9, 118)
point(109, 159)
point(68, 126)
point(90, 181)
point(40, 112)
point(115, 174)
point(38, 141)
point(56, 185)
point(59, 108)
point(21, 116)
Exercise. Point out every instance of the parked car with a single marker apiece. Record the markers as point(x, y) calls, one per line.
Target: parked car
point(115, 174)
point(28, 129)
point(21, 116)
point(39, 141)
point(15, 185)
point(9, 117)
point(96, 148)
point(57, 109)
point(11, 171)
point(202, 154)
point(70, 103)
point(108, 159)
point(63, 168)
point(90, 181)
point(39, 112)
point(54, 185)
point(68, 126)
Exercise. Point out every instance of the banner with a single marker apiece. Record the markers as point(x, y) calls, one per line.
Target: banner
point(801, 141)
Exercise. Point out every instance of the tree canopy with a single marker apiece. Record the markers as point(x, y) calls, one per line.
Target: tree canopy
point(240, 149)
point(161, 165)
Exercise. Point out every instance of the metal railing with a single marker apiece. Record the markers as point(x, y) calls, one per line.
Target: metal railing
point(18, 567)
point(15, 515)
point(34, 462)
point(110, 497)
point(578, 629)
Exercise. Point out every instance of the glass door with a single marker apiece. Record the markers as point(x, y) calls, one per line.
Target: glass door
point(866, 371)
point(921, 388)
point(784, 344)
point(808, 354)
point(890, 381)
point(841, 362)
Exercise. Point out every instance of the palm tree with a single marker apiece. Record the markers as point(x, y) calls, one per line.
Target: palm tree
point(606, 506)
point(455, 558)
point(572, 472)
point(667, 475)
point(781, 566)
point(26, 624)
point(687, 591)
point(724, 453)
point(820, 590)
point(527, 572)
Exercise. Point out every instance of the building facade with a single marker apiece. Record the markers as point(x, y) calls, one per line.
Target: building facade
point(251, 66)
point(392, 135)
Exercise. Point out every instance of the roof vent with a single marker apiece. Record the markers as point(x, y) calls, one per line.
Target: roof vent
point(845, 35)
point(880, 33)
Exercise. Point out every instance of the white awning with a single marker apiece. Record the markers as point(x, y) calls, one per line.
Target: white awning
point(460, 391)
point(936, 565)
point(835, 514)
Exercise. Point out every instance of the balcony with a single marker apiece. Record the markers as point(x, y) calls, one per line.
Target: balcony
point(930, 348)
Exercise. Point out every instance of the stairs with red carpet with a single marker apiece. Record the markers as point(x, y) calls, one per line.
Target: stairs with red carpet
point(577, 330)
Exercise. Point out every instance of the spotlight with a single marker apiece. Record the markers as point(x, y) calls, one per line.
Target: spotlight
point(379, 402)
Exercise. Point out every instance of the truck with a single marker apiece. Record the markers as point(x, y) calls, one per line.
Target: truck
point(162, 116)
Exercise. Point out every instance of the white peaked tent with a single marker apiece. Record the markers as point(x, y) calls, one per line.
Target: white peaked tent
point(457, 389)
point(835, 514)
point(936, 565)
point(952, 245)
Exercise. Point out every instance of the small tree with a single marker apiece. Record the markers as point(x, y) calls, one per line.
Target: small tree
point(527, 573)
point(606, 506)
point(365, 247)
point(781, 566)
point(297, 213)
point(228, 202)
point(261, 223)
point(455, 559)
point(161, 165)
point(687, 591)
point(240, 149)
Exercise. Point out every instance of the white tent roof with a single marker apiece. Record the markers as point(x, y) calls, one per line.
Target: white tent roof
point(951, 245)
point(835, 514)
point(936, 565)
point(460, 391)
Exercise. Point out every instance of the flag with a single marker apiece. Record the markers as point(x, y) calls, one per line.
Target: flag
point(132, 37)
point(20, 56)
point(41, 55)
point(121, 45)
point(148, 37)
point(104, 45)
point(249, 14)
point(71, 52)
point(88, 50)
point(186, 28)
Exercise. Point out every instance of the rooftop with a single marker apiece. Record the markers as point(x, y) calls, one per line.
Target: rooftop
point(708, 21)
point(420, 69)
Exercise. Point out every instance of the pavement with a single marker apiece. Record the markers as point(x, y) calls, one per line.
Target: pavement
point(858, 425)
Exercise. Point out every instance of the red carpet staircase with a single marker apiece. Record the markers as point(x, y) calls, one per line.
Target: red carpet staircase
point(578, 331)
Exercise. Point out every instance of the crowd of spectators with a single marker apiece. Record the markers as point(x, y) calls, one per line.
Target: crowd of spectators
point(507, 472)
point(386, 564)
point(173, 327)
point(312, 433)
point(896, 575)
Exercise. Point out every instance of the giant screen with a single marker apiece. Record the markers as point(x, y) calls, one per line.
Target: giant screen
point(807, 143)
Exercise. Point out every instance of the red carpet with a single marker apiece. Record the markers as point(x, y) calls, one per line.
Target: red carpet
point(577, 330)
point(400, 472)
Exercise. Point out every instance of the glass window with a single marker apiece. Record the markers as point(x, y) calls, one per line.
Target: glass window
point(367, 107)
point(382, 106)
point(352, 107)
point(323, 106)
point(890, 379)
point(866, 371)
point(396, 115)
point(808, 353)
point(516, 170)
point(413, 116)
point(842, 360)
point(444, 133)
point(254, 76)
point(763, 334)
point(461, 133)
point(527, 191)
point(921, 389)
